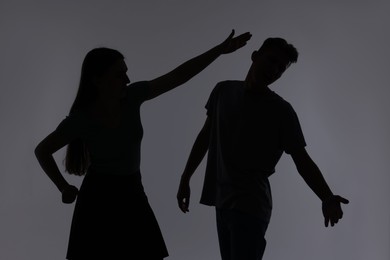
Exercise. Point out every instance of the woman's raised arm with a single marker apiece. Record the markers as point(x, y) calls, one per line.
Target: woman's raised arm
point(192, 67)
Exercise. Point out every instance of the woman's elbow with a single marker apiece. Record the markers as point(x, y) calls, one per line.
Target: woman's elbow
point(40, 150)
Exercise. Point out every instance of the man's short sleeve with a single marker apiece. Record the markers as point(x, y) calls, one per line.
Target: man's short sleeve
point(211, 102)
point(291, 133)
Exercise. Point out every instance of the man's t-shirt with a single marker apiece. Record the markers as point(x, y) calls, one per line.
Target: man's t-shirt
point(249, 133)
point(113, 150)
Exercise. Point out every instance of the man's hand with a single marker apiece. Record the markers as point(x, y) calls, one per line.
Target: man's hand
point(232, 44)
point(183, 195)
point(331, 209)
point(69, 194)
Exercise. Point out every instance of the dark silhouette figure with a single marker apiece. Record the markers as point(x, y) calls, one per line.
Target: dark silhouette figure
point(247, 129)
point(112, 218)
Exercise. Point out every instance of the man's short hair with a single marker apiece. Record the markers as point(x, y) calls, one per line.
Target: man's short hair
point(281, 45)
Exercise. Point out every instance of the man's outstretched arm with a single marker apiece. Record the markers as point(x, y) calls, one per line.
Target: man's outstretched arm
point(197, 154)
point(331, 204)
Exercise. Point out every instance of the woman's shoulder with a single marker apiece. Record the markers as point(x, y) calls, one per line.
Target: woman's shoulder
point(138, 91)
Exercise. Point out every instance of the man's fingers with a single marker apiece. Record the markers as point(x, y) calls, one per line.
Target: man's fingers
point(186, 204)
point(340, 215)
point(183, 208)
point(332, 220)
point(179, 202)
point(183, 204)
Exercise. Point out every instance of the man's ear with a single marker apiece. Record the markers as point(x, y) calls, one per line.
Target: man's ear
point(254, 56)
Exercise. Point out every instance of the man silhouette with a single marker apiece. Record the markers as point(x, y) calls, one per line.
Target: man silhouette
point(248, 127)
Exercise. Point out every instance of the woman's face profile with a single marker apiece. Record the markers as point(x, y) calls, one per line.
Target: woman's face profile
point(113, 82)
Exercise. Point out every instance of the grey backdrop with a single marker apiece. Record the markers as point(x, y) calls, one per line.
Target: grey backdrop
point(339, 88)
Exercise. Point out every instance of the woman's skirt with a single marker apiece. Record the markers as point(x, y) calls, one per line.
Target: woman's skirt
point(112, 219)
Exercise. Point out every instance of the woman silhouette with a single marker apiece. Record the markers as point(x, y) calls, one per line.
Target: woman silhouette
point(112, 218)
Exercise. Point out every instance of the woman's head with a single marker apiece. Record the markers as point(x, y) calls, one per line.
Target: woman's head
point(96, 64)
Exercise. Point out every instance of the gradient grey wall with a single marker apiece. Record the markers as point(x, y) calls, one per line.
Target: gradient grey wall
point(339, 88)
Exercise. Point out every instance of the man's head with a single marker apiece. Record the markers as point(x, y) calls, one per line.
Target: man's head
point(271, 60)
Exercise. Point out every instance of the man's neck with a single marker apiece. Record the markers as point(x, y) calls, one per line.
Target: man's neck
point(257, 87)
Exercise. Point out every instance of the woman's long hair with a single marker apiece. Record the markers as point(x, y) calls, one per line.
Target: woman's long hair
point(95, 64)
